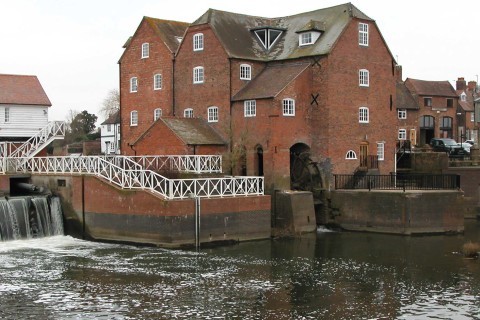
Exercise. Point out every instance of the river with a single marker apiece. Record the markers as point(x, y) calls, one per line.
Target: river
point(325, 275)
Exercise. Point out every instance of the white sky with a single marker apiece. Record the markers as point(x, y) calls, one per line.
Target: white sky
point(73, 46)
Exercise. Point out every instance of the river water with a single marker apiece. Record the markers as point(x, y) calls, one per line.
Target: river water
point(326, 275)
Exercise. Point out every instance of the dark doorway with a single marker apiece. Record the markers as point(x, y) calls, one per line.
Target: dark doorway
point(259, 161)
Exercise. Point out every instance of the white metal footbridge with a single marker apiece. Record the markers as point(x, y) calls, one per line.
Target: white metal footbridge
point(138, 173)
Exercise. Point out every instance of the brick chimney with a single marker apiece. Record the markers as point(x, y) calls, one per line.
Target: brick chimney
point(398, 71)
point(472, 85)
point(461, 84)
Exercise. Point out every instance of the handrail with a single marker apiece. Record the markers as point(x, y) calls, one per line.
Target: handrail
point(54, 129)
point(179, 163)
point(135, 178)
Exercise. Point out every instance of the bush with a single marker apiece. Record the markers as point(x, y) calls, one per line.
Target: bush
point(471, 249)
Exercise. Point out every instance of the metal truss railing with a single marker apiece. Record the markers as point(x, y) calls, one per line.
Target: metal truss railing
point(128, 175)
point(177, 163)
point(54, 130)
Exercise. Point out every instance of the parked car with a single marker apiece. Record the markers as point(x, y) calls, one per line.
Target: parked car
point(447, 145)
point(466, 146)
point(470, 141)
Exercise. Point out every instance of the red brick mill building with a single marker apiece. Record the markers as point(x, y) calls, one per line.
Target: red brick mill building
point(314, 91)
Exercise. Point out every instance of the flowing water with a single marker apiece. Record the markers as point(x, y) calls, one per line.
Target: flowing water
point(327, 275)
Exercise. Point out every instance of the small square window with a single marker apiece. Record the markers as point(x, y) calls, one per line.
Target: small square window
point(288, 107)
point(188, 113)
point(306, 38)
point(61, 182)
point(402, 134)
point(402, 114)
point(427, 102)
point(245, 72)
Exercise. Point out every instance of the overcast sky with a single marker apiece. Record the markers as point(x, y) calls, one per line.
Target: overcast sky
point(73, 46)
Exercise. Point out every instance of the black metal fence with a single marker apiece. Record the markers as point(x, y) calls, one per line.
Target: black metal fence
point(398, 182)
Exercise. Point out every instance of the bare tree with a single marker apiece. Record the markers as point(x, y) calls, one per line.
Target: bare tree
point(111, 103)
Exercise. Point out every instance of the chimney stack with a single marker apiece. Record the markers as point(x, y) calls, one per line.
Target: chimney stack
point(472, 85)
point(461, 83)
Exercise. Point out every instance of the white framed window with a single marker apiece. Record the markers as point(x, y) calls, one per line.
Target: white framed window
point(212, 114)
point(363, 78)
point(402, 134)
point(133, 84)
point(402, 113)
point(245, 72)
point(381, 150)
point(188, 113)
point(288, 107)
point(109, 128)
point(198, 42)
point(250, 108)
point(157, 113)
point(157, 82)
point(305, 38)
point(351, 155)
point(198, 75)
point(268, 37)
point(7, 115)
point(472, 116)
point(363, 34)
point(363, 116)
point(134, 118)
point(145, 50)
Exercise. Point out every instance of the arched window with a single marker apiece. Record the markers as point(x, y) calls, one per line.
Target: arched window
point(133, 84)
point(134, 118)
point(363, 78)
point(245, 72)
point(198, 42)
point(157, 113)
point(188, 113)
point(198, 75)
point(363, 116)
point(351, 155)
point(212, 114)
point(157, 82)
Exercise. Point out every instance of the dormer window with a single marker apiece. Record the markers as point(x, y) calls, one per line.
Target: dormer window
point(267, 36)
point(307, 38)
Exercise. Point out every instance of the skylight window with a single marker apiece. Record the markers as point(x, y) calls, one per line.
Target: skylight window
point(268, 37)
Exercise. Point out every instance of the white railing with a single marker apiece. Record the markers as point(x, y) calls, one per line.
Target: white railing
point(54, 130)
point(130, 176)
point(177, 163)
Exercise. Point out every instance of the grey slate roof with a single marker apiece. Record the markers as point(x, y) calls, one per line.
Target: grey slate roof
point(114, 118)
point(234, 31)
point(271, 81)
point(432, 88)
point(22, 90)
point(193, 131)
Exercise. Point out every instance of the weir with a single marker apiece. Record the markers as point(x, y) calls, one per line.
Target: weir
point(30, 217)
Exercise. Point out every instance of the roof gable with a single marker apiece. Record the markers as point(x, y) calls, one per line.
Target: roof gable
point(22, 90)
point(236, 31)
point(271, 81)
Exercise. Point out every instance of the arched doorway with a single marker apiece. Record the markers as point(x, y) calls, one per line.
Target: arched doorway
point(300, 176)
point(427, 129)
point(258, 160)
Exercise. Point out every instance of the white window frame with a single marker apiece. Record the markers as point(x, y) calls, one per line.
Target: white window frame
point(133, 84)
point(133, 118)
point(7, 115)
point(363, 34)
point(157, 113)
point(245, 72)
point(250, 108)
point(402, 134)
point(157, 81)
point(288, 106)
point(145, 50)
point(472, 116)
point(381, 150)
point(351, 155)
point(363, 115)
point(188, 113)
point(212, 113)
point(198, 74)
point(305, 38)
point(198, 42)
point(363, 78)
point(402, 114)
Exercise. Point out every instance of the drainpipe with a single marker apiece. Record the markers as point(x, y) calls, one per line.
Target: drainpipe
point(173, 85)
point(83, 207)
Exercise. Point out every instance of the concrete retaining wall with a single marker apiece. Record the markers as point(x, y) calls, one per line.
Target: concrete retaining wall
point(411, 212)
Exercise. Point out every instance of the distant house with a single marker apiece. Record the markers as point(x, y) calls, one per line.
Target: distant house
point(110, 134)
point(23, 107)
point(467, 126)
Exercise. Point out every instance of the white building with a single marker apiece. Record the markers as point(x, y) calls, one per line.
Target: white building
point(110, 134)
point(23, 107)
